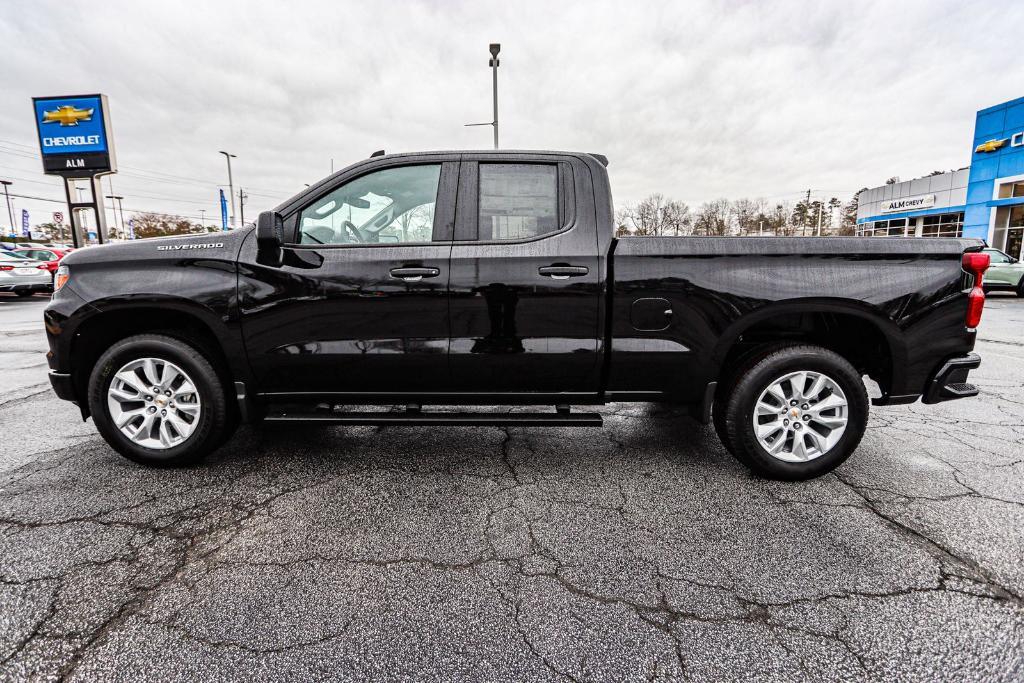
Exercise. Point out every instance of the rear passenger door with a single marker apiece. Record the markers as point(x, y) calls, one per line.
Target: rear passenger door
point(525, 282)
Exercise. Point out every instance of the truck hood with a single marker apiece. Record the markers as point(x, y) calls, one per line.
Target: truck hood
point(216, 245)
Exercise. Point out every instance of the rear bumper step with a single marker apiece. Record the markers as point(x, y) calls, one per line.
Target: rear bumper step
point(418, 418)
point(950, 382)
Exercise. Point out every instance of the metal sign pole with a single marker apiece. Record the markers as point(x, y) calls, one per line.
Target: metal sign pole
point(79, 229)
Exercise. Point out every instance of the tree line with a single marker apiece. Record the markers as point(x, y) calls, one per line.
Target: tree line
point(658, 215)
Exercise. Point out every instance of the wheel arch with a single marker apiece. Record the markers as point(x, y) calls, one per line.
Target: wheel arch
point(183, 319)
point(855, 330)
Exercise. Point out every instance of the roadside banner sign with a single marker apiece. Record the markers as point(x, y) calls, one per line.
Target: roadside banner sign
point(223, 211)
point(58, 218)
point(131, 228)
point(24, 223)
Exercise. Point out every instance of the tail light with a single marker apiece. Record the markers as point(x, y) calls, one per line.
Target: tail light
point(6, 267)
point(60, 277)
point(43, 267)
point(975, 263)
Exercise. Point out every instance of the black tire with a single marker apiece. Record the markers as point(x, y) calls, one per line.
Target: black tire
point(729, 377)
point(214, 424)
point(761, 370)
point(24, 293)
point(1020, 288)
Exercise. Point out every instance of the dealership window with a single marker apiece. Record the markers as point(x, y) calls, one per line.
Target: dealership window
point(896, 227)
point(517, 201)
point(1010, 190)
point(1009, 233)
point(943, 225)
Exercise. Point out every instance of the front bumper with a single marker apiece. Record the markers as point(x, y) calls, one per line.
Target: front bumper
point(62, 385)
point(950, 382)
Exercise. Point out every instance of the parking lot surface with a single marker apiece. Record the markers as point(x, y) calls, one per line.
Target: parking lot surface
point(640, 551)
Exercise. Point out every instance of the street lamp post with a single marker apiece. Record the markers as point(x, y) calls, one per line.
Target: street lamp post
point(120, 207)
point(10, 211)
point(231, 185)
point(495, 48)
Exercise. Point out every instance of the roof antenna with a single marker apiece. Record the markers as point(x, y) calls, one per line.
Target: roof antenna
point(378, 153)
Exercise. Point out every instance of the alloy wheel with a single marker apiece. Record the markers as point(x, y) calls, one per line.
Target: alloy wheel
point(800, 416)
point(154, 403)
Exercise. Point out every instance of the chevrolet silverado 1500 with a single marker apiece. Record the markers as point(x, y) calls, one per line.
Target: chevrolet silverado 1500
point(416, 281)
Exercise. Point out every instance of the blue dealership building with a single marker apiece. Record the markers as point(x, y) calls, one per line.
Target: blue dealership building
point(984, 200)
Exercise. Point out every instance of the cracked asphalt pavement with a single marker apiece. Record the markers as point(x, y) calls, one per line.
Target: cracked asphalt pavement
point(640, 551)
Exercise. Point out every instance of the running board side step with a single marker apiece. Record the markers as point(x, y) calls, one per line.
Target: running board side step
point(417, 418)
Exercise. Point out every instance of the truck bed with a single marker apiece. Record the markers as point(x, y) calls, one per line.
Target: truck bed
point(722, 289)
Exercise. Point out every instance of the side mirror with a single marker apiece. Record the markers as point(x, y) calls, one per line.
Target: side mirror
point(269, 237)
point(270, 230)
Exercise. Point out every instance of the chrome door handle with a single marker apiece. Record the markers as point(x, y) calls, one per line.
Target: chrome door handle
point(563, 272)
point(414, 274)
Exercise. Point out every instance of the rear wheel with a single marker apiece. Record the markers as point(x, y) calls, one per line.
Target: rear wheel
point(795, 412)
point(1020, 288)
point(158, 401)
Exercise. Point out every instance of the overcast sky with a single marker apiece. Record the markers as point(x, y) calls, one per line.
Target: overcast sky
point(693, 100)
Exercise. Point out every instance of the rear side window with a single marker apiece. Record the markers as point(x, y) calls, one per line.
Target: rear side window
point(517, 201)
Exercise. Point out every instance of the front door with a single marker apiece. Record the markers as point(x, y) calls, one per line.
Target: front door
point(525, 283)
point(360, 304)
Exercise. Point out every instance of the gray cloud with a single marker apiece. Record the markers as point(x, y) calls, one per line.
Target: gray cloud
point(693, 100)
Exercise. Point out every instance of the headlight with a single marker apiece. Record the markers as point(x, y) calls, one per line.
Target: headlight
point(62, 276)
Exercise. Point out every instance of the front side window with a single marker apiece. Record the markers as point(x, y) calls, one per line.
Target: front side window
point(996, 256)
point(517, 201)
point(390, 206)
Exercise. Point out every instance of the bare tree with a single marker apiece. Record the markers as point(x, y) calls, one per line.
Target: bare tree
point(654, 216)
point(750, 215)
point(848, 222)
point(418, 222)
point(712, 219)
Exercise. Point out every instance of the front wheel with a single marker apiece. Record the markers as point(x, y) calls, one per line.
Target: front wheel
point(158, 401)
point(796, 413)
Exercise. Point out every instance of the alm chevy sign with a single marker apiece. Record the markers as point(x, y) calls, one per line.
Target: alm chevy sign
point(924, 201)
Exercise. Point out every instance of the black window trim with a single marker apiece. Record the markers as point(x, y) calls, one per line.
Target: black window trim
point(565, 200)
point(449, 172)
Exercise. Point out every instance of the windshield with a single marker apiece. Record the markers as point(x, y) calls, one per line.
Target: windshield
point(8, 256)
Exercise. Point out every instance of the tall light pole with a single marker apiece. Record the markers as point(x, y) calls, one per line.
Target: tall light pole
point(231, 185)
point(202, 218)
point(120, 206)
point(493, 63)
point(10, 211)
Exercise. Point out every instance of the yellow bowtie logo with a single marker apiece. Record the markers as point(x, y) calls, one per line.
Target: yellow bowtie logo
point(990, 146)
point(68, 115)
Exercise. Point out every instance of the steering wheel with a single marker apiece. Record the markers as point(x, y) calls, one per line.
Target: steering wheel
point(348, 225)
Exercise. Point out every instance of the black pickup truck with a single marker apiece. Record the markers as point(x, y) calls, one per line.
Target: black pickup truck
point(412, 281)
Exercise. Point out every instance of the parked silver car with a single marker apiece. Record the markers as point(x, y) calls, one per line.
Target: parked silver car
point(23, 276)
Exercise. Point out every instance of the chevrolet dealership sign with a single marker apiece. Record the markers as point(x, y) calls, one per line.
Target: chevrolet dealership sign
point(924, 201)
point(74, 134)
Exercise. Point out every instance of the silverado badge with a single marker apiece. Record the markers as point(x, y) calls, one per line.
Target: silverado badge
point(176, 247)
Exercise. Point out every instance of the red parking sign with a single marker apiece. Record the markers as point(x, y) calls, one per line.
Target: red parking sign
point(58, 217)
